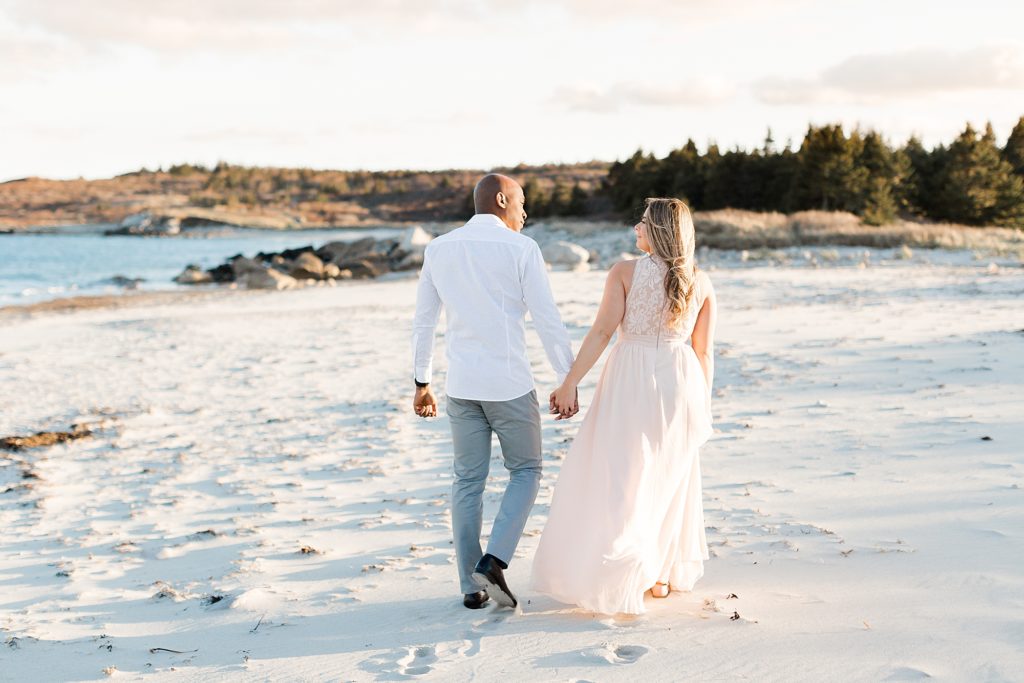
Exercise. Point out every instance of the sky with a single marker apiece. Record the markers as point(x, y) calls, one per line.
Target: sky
point(93, 89)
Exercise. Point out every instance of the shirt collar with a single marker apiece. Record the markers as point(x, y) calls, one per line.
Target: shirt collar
point(487, 219)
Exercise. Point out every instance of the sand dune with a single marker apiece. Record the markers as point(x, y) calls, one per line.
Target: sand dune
point(258, 502)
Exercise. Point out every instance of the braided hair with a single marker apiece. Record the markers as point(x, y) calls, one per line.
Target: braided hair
point(671, 236)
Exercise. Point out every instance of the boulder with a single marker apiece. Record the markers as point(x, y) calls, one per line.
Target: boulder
point(339, 252)
point(382, 249)
point(332, 271)
point(240, 265)
point(292, 254)
point(267, 278)
point(414, 241)
point(193, 275)
point(566, 255)
point(360, 270)
point(410, 262)
point(222, 273)
point(408, 253)
point(307, 266)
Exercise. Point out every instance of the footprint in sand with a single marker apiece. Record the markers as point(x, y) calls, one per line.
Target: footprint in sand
point(908, 673)
point(616, 654)
point(418, 661)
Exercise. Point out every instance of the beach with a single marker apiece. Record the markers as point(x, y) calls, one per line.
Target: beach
point(257, 500)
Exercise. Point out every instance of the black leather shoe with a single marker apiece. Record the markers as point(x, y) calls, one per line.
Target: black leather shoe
point(490, 577)
point(475, 600)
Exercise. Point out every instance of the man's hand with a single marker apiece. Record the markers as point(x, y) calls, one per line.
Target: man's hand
point(564, 401)
point(424, 403)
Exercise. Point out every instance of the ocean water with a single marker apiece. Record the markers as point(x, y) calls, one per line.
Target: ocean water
point(39, 267)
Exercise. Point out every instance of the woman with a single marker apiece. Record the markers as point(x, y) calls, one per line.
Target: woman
point(626, 516)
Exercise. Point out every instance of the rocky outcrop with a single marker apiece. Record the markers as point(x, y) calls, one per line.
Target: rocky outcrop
point(146, 224)
point(170, 222)
point(359, 259)
point(368, 258)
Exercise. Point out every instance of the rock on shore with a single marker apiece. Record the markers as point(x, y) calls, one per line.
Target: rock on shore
point(359, 259)
point(368, 258)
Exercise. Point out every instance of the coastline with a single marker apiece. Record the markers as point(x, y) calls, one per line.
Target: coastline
point(722, 229)
point(612, 245)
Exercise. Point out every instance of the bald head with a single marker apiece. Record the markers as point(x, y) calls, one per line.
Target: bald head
point(485, 194)
point(500, 195)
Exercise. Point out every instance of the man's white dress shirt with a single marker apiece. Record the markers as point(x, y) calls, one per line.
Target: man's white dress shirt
point(486, 277)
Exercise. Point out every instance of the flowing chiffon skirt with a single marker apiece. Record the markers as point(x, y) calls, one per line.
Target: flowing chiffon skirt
point(627, 510)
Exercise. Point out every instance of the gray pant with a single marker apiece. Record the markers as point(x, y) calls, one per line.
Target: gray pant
point(517, 424)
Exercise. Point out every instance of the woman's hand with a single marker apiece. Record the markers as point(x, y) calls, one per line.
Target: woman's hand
point(564, 401)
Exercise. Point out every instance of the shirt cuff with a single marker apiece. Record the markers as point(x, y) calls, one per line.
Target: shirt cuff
point(422, 375)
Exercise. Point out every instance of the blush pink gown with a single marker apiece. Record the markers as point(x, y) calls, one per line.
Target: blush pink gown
point(627, 510)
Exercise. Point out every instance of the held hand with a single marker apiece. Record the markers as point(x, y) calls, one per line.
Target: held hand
point(424, 403)
point(564, 401)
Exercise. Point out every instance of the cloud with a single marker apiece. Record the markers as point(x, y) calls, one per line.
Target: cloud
point(675, 10)
point(24, 58)
point(172, 26)
point(605, 100)
point(872, 78)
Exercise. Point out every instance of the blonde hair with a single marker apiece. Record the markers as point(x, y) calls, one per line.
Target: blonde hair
point(671, 236)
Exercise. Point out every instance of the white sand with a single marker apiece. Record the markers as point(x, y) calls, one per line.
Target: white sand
point(861, 529)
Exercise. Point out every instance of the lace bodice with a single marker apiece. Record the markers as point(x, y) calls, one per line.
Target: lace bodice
point(647, 305)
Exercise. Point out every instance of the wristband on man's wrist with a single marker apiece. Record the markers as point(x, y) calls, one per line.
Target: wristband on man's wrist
point(421, 385)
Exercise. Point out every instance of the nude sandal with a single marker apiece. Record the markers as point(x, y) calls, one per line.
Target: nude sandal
point(660, 590)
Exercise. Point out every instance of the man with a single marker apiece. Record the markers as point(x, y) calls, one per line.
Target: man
point(487, 276)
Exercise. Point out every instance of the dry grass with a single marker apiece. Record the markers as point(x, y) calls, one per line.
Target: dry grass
point(734, 229)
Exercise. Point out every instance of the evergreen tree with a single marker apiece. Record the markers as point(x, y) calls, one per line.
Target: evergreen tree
point(630, 181)
point(976, 186)
point(1013, 152)
point(558, 203)
point(534, 200)
point(732, 182)
point(829, 177)
point(779, 172)
point(879, 197)
point(879, 201)
point(577, 201)
point(970, 181)
point(919, 186)
point(682, 175)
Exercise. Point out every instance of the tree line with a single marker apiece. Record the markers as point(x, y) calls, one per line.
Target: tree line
point(972, 180)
